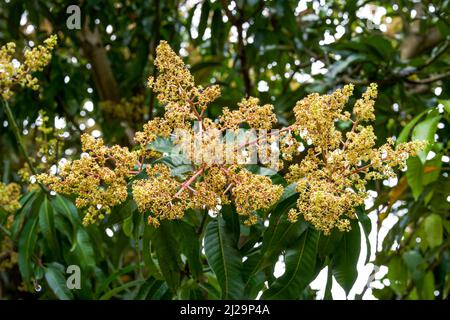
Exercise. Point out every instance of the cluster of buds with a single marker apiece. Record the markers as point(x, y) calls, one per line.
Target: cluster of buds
point(214, 179)
point(9, 197)
point(98, 178)
point(12, 74)
point(9, 202)
point(331, 176)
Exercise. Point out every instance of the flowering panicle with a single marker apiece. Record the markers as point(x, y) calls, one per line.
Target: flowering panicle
point(250, 112)
point(331, 178)
point(9, 197)
point(34, 60)
point(213, 180)
point(9, 202)
point(99, 178)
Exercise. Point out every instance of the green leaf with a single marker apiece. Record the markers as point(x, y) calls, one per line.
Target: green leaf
point(426, 287)
point(397, 275)
point(367, 227)
point(433, 230)
point(327, 295)
point(446, 104)
point(425, 131)
point(346, 258)
point(254, 281)
point(281, 233)
point(382, 45)
point(84, 249)
point(66, 207)
point(120, 288)
point(204, 15)
point(104, 285)
point(127, 226)
point(330, 243)
point(166, 247)
point(26, 247)
point(300, 268)
point(288, 192)
point(224, 258)
point(21, 215)
point(415, 263)
point(188, 242)
point(414, 174)
point(147, 251)
point(57, 282)
point(47, 225)
point(403, 137)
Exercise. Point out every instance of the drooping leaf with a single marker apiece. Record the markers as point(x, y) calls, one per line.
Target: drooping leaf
point(204, 15)
point(57, 282)
point(346, 257)
point(366, 224)
point(433, 230)
point(415, 176)
point(84, 249)
point(397, 275)
point(189, 245)
point(415, 263)
point(47, 226)
point(224, 258)
point(300, 262)
point(26, 246)
point(404, 134)
point(425, 131)
point(168, 254)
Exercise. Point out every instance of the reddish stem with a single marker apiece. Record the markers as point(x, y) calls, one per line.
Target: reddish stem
point(187, 183)
point(263, 137)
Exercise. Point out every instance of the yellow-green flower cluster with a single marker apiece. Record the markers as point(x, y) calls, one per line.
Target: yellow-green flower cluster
point(156, 194)
point(8, 257)
point(250, 112)
point(331, 178)
point(264, 194)
point(9, 203)
point(9, 197)
point(213, 181)
point(98, 178)
point(34, 60)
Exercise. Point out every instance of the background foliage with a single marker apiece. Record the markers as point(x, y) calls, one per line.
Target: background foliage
point(278, 51)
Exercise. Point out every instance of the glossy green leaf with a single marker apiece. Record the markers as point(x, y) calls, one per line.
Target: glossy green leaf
point(168, 254)
point(224, 259)
point(57, 282)
point(300, 261)
point(26, 247)
point(415, 263)
point(188, 241)
point(47, 226)
point(397, 275)
point(84, 249)
point(425, 131)
point(404, 134)
point(345, 258)
point(204, 15)
point(415, 176)
point(434, 230)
